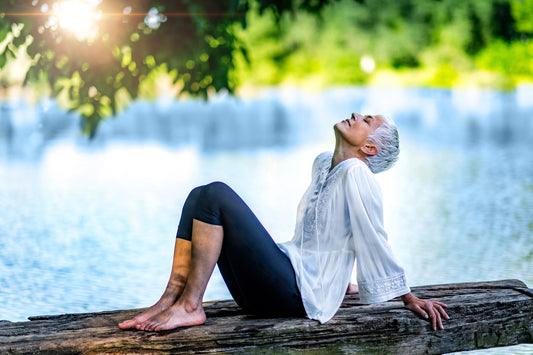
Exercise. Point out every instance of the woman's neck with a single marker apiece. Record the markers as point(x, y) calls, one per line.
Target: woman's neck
point(344, 151)
point(341, 154)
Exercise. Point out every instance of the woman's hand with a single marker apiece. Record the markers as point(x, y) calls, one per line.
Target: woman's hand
point(352, 289)
point(426, 309)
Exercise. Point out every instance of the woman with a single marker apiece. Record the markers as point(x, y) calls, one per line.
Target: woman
point(340, 220)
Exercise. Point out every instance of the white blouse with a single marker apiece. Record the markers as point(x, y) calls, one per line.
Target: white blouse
point(340, 220)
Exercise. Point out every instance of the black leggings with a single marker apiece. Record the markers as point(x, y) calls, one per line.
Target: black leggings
point(258, 274)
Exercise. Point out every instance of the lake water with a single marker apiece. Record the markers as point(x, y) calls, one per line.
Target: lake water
point(90, 226)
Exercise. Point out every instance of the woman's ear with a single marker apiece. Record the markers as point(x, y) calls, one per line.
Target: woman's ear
point(369, 149)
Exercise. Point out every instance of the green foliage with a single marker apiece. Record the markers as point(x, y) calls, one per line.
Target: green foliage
point(192, 41)
point(522, 12)
point(203, 46)
point(438, 42)
point(515, 59)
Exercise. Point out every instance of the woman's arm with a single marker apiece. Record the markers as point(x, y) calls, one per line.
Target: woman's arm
point(426, 309)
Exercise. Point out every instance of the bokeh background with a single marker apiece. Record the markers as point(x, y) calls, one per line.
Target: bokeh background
point(90, 201)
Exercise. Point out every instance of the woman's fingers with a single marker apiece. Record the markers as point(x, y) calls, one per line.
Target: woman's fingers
point(439, 321)
point(433, 316)
point(433, 311)
point(430, 310)
point(443, 312)
point(440, 313)
point(421, 312)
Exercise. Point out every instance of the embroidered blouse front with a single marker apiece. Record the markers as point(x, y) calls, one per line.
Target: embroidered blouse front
point(339, 221)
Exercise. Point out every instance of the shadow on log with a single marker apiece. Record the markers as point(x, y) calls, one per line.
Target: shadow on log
point(483, 314)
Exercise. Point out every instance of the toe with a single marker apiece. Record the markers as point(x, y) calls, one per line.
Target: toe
point(127, 324)
point(140, 326)
point(150, 326)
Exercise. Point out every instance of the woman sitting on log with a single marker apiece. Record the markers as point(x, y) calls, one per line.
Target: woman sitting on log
point(339, 221)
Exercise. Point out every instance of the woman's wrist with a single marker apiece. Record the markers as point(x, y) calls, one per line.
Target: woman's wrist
point(407, 298)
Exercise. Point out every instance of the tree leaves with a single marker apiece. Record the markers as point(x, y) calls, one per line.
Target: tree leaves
point(196, 43)
point(134, 38)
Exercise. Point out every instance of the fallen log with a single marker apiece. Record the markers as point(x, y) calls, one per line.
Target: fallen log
point(483, 315)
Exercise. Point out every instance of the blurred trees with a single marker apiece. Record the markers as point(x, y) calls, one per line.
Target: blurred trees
point(97, 54)
point(118, 49)
point(418, 42)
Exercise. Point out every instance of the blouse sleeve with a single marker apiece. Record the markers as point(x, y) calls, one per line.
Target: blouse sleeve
point(379, 276)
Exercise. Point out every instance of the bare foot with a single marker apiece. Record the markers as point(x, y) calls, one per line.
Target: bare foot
point(163, 304)
point(352, 289)
point(179, 315)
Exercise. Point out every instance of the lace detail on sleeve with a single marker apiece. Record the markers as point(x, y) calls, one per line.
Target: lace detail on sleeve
point(384, 289)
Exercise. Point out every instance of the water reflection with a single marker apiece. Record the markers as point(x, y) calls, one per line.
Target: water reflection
point(470, 213)
point(87, 226)
point(280, 118)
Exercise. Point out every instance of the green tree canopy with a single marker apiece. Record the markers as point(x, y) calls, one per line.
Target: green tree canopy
point(97, 55)
point(96, 51)
point(413, 42)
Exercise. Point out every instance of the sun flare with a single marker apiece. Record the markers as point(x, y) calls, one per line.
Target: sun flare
point(78, 16)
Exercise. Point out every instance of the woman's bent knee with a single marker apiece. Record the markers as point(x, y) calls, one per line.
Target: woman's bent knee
point(218, 185)
point(216, 190)
point(211, 188)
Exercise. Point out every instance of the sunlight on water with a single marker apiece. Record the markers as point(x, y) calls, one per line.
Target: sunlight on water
point(95, 230)
point(473, 208)
point(522, 349)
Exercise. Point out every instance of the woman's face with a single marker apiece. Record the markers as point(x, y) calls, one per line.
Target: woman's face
point(355, 130)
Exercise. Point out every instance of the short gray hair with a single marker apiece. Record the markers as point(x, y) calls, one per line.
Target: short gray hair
point(387, 140)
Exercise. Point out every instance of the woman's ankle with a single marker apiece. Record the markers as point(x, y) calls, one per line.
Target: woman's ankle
point(191, 305)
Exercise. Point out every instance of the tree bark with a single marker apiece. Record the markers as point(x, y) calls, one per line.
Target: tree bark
point(483, 314)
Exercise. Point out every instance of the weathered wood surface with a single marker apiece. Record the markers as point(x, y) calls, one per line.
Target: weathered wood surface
point(486, 314)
